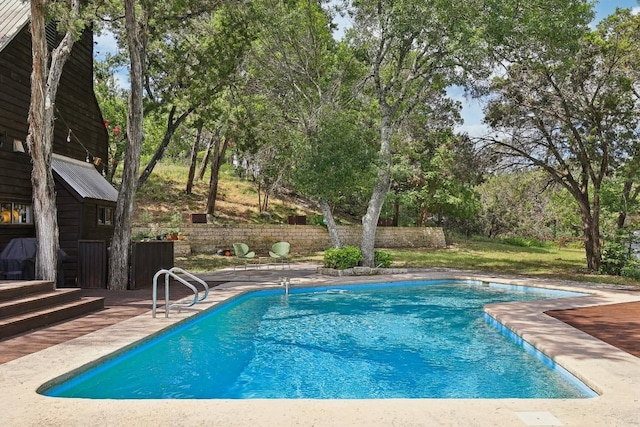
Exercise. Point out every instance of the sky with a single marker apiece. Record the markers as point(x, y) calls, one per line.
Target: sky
point(471, 109)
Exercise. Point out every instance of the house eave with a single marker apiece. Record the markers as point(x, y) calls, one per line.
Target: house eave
point(14, 15)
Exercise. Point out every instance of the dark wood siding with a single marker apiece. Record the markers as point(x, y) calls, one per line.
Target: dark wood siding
point(15, 168)
point(76, 109)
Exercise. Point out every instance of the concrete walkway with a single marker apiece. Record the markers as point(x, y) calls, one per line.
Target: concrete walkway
point(612, 372)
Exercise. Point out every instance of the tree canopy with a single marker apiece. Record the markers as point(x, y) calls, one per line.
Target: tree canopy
point(573, 116)
point(370, 115)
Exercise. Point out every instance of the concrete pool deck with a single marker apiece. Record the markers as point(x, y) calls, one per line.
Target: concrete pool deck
point(613, 373)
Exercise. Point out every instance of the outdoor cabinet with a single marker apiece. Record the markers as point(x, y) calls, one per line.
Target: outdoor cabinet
point(198, 218)
point(146, 259)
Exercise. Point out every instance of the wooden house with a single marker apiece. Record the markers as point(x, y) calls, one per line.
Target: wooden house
point(85, 200)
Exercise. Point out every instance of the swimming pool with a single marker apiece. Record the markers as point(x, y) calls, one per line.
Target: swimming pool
point(391, 340)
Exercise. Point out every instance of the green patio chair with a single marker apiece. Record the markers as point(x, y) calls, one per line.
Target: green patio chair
point(280, 252)
point(241, 251)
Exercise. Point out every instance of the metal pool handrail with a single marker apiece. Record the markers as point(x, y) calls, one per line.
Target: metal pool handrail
point(197, 279)
point(171, 273)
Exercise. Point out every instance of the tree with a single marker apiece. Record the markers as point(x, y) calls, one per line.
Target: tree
point(524, 204)
point(626, 26)
point(193, 158)
point(337, 164)
point(303, 77)
point(434, 170)
point(143, 19)
point(427, 181)
point(217, 151)
point(194, 61)
point(414, 50)
point(45, 78)
point(573, 115)
point(136, 21)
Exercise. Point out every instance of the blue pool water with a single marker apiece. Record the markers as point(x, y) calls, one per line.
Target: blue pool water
point(407, 340)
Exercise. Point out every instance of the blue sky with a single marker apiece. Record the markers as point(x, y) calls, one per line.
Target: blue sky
point(606, 7)
point(472, 109)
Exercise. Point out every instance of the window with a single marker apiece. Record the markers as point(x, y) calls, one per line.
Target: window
point(15, 213)
point(105, 215)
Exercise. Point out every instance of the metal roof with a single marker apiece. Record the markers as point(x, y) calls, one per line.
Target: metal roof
point(14, 15)
point(83, 178)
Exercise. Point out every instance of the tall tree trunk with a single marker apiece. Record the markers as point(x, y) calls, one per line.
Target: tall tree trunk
point(121, 245)
point(423, 213)
point(591, 232)
point(263, 195)
point(194, 159)
point(380, 190)
point(205, 160)
point(331, 224)
point(169, 132)
point(44, 88)
point(219, 151)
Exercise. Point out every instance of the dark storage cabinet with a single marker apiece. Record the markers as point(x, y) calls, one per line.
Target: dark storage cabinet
point(146, 259)
point(198, 218)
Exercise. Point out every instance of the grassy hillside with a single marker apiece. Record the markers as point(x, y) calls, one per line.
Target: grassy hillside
point(163, 200)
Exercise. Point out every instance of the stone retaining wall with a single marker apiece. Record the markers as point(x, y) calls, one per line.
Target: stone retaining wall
point(208, 238)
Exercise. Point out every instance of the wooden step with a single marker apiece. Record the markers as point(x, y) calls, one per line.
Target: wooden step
point(12, 290)
point(33, 302)
point(35, 319)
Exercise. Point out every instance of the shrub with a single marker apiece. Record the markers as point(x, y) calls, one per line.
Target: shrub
point(316, 220)
point(342, 258)
point(351, 256)
point(382, 259)
point(631, 270)
point(618, 257)
point(614, 257)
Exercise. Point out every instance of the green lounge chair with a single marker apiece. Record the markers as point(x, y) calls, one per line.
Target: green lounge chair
point(242, 252)
point(280, 252)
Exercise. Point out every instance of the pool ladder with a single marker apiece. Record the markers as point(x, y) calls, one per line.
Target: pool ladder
point(172, 273)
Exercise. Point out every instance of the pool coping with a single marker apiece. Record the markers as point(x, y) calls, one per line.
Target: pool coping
point(611, 372)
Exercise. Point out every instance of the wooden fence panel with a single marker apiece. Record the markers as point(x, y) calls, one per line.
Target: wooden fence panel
point(92, 264)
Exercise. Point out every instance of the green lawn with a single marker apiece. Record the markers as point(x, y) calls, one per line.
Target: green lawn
point(485, 256)
point(495, 257)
